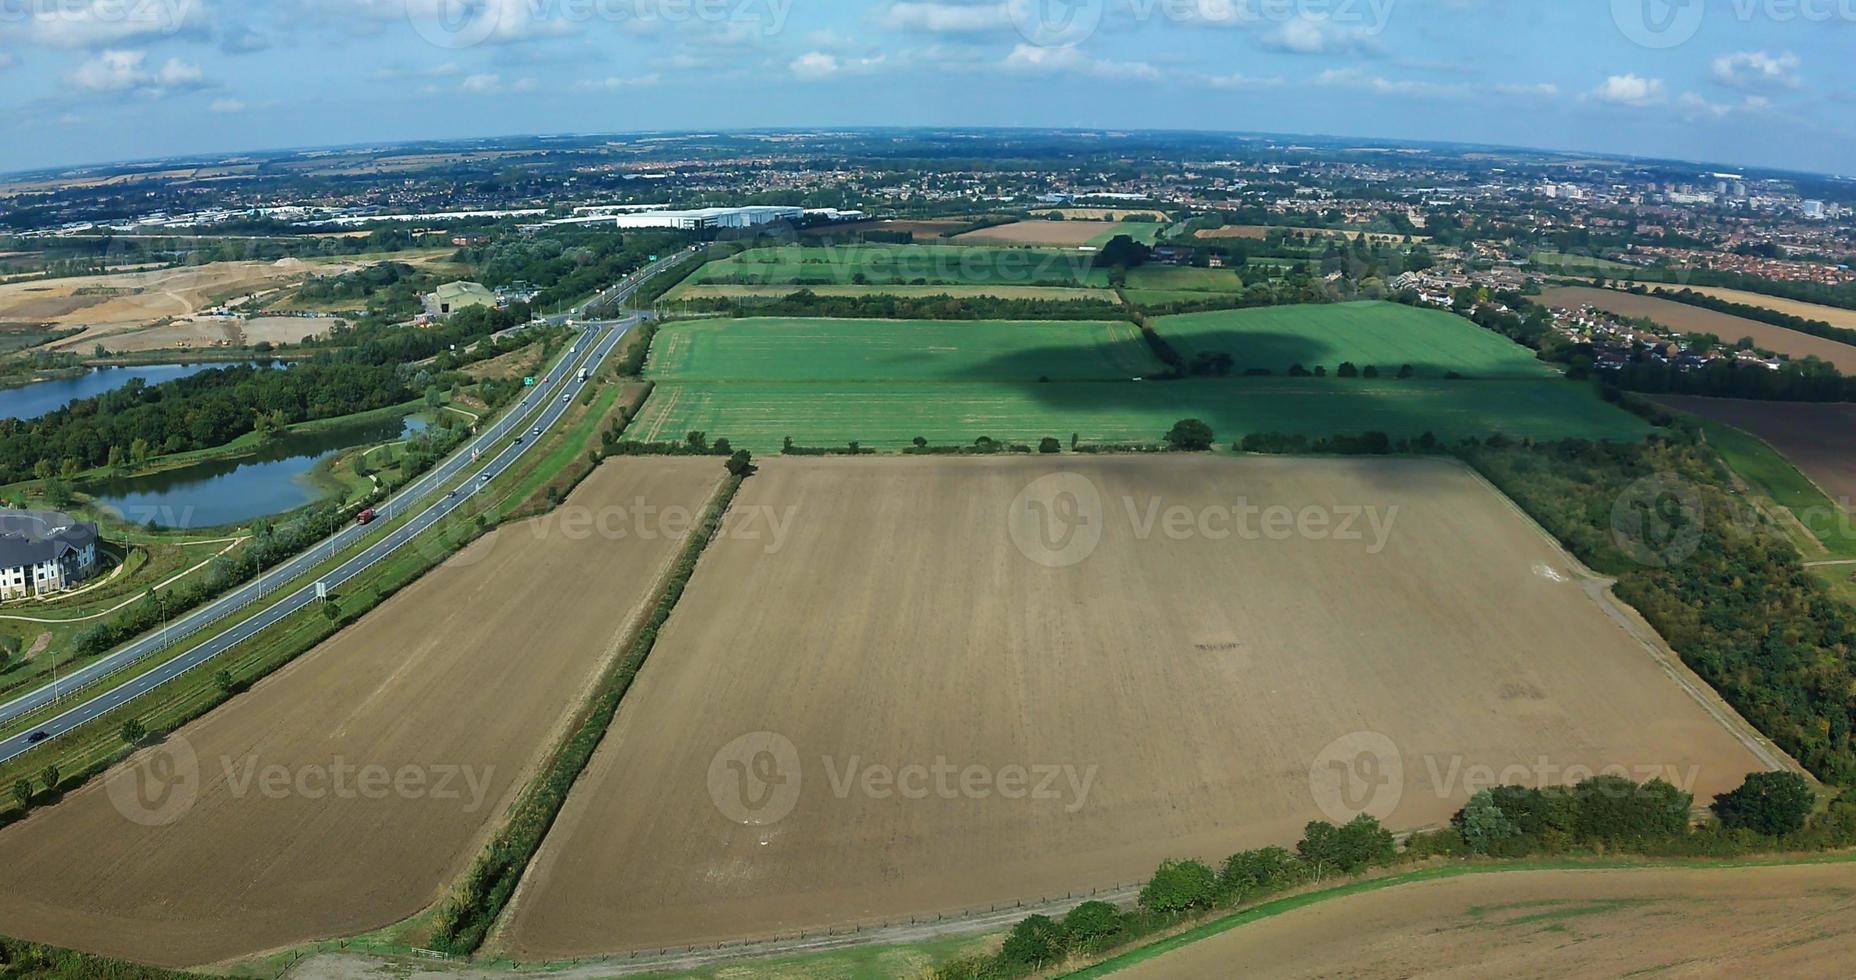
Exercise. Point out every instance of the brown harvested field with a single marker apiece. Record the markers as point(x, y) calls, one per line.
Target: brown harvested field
point(462, 680)
point(115, 309)
point(1695, 319)
point(731, 291)
point(1836, 316)
point(1784, 921)
point(1260, 232)
point(1185, 690)
point(1817, 437)
point(1061, 233)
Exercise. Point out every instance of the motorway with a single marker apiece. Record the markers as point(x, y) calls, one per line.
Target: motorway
point(551, 400)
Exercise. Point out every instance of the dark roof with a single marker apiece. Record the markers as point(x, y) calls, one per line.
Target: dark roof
point(28, 537)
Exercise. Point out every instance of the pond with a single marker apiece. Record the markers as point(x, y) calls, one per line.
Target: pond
point(217, 492)
point(44, 397)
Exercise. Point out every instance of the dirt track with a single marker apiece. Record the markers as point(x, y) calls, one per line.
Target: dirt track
point(465, 677)
point(1198, 680)
point(1796, 921)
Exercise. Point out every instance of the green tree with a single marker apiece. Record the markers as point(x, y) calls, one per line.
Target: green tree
point(1179, 886)
point(1348, 370)
point(741, 463)
point(1092, 926)
point(331, 610)
point(49, 777)
point(1349, 849)
point(116, 459)
point(1036, 942)
point(1049, 446)
point(1255, 872)
point(139, 451)
point(1483, 824)
point(43, 470)
point(224, 682)
point(1770, 803)
point(1613, 809)
point(1190, 435)
point(133, 732)
point(22, 793)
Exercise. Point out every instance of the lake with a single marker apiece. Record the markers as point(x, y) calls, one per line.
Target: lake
point(44, 397)
point(217, 492)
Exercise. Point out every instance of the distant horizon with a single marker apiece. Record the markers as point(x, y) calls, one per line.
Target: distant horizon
point(219, 155)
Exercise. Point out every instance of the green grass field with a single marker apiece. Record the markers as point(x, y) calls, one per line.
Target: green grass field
point(1769, 471)
point(1059, 293)
point(812, 349)
point(1385, 335)
point(1179, 278)
point(759, 415)
point(927, 265)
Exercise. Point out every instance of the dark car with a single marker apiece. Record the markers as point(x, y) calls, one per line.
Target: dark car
point(37, 737)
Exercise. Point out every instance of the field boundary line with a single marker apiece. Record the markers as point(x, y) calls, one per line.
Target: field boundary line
point(1601, 589)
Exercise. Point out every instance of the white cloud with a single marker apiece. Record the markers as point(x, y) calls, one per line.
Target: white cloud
point(227, 106)
point(1032, 59)
point(1239, 81)
point(819, 65)
point(1695, 107)
point(490, 83)
point(113, 71)
point(1355, 78)
point(1314, 36)
point(1757, 70)
point(946, 18)
point(1631, 90)
point(1542, 90)
point(614, 83)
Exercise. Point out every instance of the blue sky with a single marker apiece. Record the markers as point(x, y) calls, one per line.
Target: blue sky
point(1768, 82)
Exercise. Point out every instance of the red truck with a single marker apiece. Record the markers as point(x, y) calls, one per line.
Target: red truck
point(365, 517)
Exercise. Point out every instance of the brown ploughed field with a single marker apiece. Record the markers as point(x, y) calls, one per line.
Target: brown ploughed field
point(454, 688)
point(1785, 921)
point(1817, 437)
point(963, 715)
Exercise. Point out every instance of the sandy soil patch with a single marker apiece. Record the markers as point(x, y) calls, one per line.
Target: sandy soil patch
point(1721, 922)
point(1200, 687)
point(464, 678)
point(1695, 319)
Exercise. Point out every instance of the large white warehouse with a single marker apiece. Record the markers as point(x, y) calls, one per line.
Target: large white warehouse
point(710, 218)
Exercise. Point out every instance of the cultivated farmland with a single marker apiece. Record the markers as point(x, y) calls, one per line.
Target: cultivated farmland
point(1383, 335)
point(1836, 316)
point(1786, 921)
point(463, 677)
point(759, 415)
point(753, 292)
point(812, 349)
point(926, 265)
point(1818, 437)
point(1179, 689)
point(1695, 319)
point(1073, 234)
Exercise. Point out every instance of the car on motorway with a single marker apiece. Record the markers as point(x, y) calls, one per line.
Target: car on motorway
point(37, 737)
point(536, 431)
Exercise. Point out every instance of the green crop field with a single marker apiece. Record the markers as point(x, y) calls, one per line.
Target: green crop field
point(927, 265)
point(1177, 278)
point(759, 415)
point(1385, 335)
point(812, 349)
point(688, 290)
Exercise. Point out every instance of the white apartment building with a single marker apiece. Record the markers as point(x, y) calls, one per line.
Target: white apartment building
point(42, 552)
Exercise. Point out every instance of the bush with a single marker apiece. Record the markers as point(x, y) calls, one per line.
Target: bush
point(1035, 943)
point(1179, 886)
point(1190, 435)
point(1770, 803)
point(1613, 809)
point(1092, 926)
point(1257, 872)
point(1483, 824)
point(1049, 446)
point(1349, 849)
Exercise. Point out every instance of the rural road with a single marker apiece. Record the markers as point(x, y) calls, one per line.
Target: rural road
point(552, 401)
